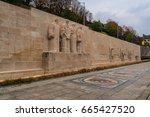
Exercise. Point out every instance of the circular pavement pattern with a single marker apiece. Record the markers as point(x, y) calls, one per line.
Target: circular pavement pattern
point(100, 80)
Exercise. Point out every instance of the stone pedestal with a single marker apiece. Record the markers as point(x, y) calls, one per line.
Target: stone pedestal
point(65, 61)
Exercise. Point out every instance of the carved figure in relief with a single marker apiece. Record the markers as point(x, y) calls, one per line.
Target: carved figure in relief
point(73, 40)
point(136, 57)
point(129, 55)
point(122, 55)
point(53, 36)
point(65, 37)
point(126, 54)
point(111, 57)
point(80, 34)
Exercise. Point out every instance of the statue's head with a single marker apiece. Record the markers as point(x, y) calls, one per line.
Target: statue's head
point(56, 20)
point(73, 25)
point(67, 22)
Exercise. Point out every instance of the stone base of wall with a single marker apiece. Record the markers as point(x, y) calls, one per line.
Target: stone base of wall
point(57, 62)
point(11, 75)
point(28, 76)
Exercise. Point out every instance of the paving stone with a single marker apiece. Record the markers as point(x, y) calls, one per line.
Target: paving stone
point(149, 98)
point(5, 96)
point(136, 86)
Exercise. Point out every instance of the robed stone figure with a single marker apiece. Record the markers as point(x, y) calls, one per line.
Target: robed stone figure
point(53, 36)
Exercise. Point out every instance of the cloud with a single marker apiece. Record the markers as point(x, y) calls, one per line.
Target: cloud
point(133, 13)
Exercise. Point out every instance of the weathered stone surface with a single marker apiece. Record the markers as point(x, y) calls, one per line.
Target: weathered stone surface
point(24, 38)
point(64, 62)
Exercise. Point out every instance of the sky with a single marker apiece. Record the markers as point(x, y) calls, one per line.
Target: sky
point(134, 13)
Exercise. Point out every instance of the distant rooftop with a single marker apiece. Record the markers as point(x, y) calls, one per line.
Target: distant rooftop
point(146, 36)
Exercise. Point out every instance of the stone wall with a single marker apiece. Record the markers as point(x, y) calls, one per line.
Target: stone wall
point(27, 36)
point(145, 52)
point(108, 50)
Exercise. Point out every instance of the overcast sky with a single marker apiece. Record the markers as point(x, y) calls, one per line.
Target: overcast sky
point(135, 13)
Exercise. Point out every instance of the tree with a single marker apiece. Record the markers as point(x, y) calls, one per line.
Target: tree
point(71, 16)
point(129, 34)
point(111, 28)
point(27, 2)
point(17, 2)
point(97, 26)
point(81, 11)
point(70, 9)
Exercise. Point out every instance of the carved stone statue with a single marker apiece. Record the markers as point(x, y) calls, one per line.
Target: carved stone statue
point(136, 57)
point(65, 37)
point(80, 39)
point(126, 54)
point(68, 34)
point(73, 40)
point(129, 55)
point(122, 55)
point(53, 36)
point(111, 57)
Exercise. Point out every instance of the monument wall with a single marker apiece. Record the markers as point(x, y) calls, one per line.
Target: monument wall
point(145, 52)
point(33, 42)
point(108, 50)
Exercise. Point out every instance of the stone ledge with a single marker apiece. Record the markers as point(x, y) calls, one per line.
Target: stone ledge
point(19, 74)
point(16, 71)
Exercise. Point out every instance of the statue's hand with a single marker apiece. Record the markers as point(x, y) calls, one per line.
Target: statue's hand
point(50, 37)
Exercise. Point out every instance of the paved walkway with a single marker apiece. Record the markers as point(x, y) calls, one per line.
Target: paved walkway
point(129, 82)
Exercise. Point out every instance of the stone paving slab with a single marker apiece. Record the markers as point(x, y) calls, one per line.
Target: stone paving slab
point(135, 85)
